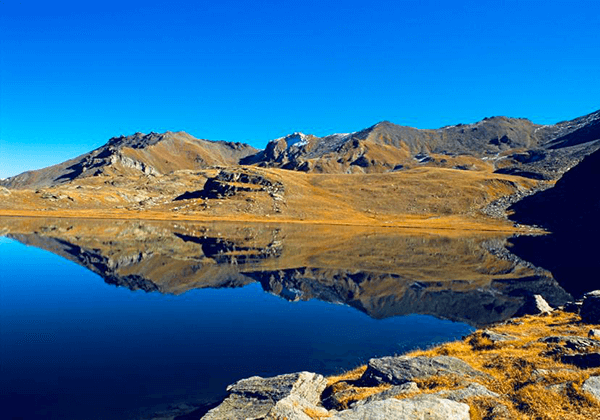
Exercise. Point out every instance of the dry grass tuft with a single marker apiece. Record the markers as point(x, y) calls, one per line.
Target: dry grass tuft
point(316, 414)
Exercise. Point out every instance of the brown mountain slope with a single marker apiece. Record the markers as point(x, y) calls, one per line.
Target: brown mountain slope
point(509, 145)
point(150, 154)
point(428, 197)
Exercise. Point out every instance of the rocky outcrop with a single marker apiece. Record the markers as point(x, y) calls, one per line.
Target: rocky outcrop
point(271, 398)
point(402, 369)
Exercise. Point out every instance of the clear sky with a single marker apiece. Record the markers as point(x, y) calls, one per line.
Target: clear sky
point(75, 73)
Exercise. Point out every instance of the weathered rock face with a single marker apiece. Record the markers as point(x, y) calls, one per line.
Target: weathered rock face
point(398, 370)
point(228, 183)
point(422, 407)
point(590, 310)
point(258, 397)
point(570, 211)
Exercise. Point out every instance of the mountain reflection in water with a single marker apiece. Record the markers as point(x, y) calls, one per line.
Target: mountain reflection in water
point(466, 277)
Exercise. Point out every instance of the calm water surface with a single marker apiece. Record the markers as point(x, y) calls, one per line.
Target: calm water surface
point(74, 347)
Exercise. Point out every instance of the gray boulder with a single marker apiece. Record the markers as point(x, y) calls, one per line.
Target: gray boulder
point(592, 386)
point(590, 309)
point(401, 369)
point(255, 397)
point(418, 408)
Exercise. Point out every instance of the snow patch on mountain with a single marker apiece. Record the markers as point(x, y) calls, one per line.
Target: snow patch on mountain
point(296, 139)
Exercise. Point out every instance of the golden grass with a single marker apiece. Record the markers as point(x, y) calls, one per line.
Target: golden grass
point(521, 371)
point(421, 198)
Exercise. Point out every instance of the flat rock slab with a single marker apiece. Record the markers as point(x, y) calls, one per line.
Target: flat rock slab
point(418, 408)
point(402, 369)
point(255, 397)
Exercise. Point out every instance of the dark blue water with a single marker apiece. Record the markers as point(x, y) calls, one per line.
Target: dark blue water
point(74, 347)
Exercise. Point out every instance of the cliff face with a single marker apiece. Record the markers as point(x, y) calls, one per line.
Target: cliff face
point(570, 212)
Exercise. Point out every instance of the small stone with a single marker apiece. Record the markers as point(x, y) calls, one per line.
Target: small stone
point(558, 388)
point(594, 334)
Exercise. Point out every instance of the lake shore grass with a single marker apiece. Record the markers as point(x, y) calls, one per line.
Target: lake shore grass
point(527, 373)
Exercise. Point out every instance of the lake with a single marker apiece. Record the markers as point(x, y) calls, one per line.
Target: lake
point(126, 319)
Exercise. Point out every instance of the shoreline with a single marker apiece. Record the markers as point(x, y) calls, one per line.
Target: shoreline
point(420, 223)
point(535, 366)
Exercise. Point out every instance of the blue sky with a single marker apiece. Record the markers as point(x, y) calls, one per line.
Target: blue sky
point(74, 74)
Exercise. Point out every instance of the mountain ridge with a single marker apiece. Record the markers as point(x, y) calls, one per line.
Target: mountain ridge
point(540, 151)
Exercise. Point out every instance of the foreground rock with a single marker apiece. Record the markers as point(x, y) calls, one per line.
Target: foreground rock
point(398, 370)
point(422, 407)
point(278, 397)
point(527, 356)
point(592, 386)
